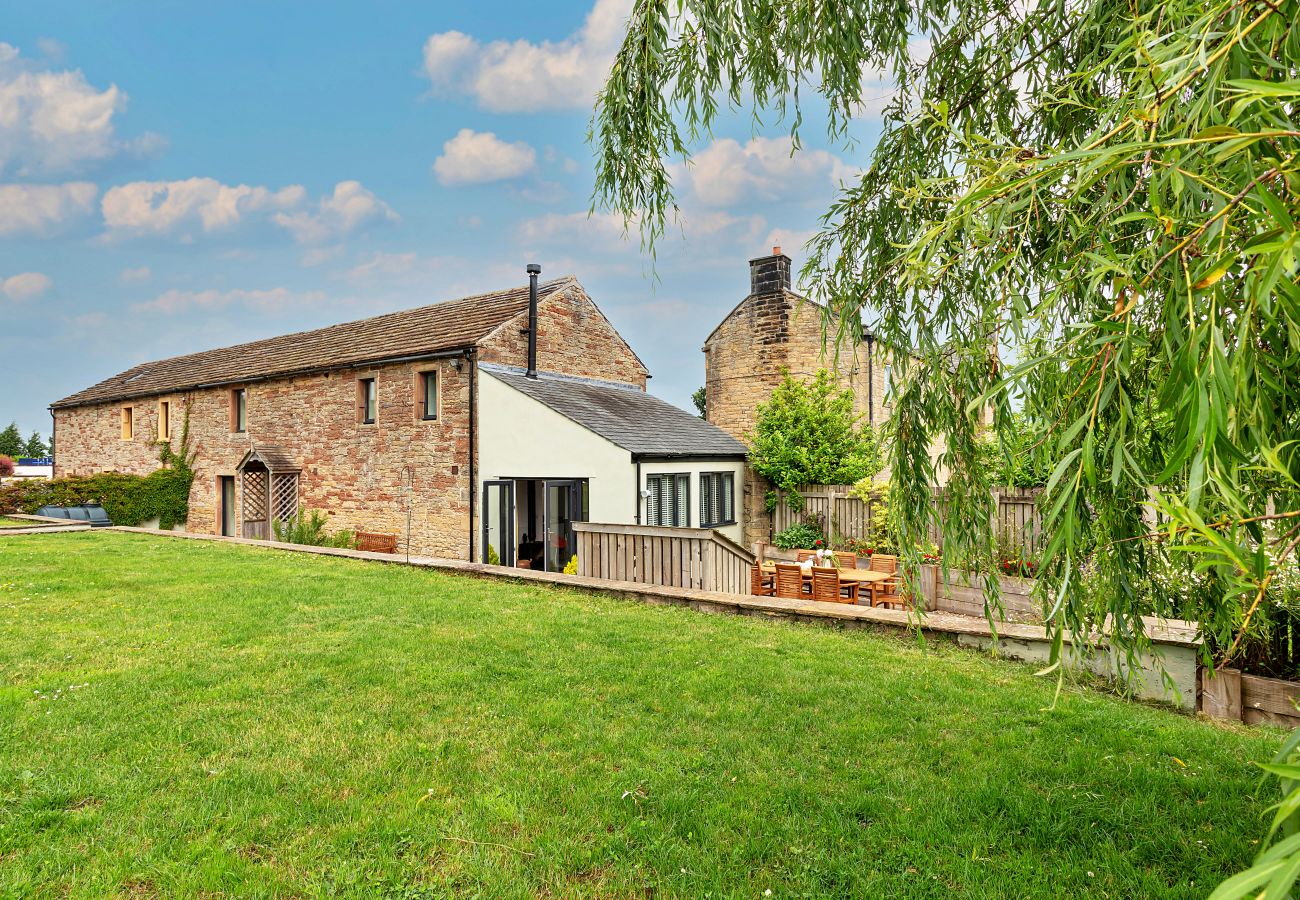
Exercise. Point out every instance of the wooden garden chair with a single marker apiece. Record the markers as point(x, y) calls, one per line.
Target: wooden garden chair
point(760, 583)
point(883, 591)
point(881, 562)
point(847, 559)
point(827, 587)
point(891, 593)
point(789, 581)
point(804, 555)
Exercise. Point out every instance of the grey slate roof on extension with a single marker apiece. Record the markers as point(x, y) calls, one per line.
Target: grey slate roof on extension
point(645, 426)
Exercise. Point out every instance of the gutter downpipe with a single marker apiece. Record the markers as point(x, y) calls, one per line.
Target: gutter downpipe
point(636, 492)
point(471, 360)
point(54, 442)
point(871, 380)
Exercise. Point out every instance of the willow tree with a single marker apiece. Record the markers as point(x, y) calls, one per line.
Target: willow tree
point(1087, 208)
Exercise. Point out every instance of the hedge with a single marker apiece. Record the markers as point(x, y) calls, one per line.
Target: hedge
point(128, 499)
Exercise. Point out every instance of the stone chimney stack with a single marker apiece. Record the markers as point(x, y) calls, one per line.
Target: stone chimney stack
point(769, 274)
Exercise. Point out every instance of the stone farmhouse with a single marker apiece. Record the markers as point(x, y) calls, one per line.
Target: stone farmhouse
point(477, 429)
point(771, 332)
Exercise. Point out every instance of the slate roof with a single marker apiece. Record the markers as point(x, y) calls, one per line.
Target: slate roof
point(625, 415)
point(452, 325)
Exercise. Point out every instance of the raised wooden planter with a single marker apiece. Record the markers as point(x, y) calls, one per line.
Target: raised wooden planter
point(1228, 694)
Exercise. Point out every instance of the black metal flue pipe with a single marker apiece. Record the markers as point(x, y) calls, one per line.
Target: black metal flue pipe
point(533, 270)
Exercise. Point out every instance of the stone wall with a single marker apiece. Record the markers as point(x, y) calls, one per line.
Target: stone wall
point(573, 338)
point(351, 471)
point(747, 357)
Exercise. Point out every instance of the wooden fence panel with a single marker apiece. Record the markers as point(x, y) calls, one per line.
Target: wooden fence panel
point(846, 517)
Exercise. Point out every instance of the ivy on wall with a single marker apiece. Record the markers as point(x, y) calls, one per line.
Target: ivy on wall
point(128, 499)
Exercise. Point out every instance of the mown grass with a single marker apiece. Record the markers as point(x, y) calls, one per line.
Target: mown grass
point(6, 522)
point(181, 718)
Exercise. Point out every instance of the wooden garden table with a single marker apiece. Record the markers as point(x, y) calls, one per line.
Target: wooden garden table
point(865, 577)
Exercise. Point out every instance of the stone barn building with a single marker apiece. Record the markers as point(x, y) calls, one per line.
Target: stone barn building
point(773, 331)
point(479, 428)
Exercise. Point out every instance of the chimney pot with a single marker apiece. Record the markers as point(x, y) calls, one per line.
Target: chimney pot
point(776, 251)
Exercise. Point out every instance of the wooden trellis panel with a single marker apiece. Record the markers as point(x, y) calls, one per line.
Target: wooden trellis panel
point(255, 502)
point(284, 496)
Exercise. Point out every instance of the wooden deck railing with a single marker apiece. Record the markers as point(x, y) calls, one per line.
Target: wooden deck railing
point(696, 558)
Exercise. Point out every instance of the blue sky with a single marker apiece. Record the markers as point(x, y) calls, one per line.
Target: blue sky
point(175, 177)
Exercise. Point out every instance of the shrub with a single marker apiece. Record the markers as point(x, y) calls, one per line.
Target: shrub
point(801, 536)
point(882, 532)
point(308, 528)
point(6, 466)
point(493, 558)
point(807, 433)
point(571, 567)
point(128, 499)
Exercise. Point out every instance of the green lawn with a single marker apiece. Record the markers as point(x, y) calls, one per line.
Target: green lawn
point(6, 522)
point(181, 718)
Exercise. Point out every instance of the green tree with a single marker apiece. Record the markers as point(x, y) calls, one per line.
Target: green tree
point(35, 446)
point(11, 441)
point(807, 433)
point(1015, 456)
point(1091, 207)
point(699, 398)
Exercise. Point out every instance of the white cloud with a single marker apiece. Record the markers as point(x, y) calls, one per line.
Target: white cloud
point(596, 232)
point(55, 121)
point(43, 208)
point(521, 76)
point(317, 256)
point(726, 173)
point(350, 207)
point(791, 241)
point(181, 208)
point(271, 300)
point(402, 268)
point(165, 207)
point(25, 286)
point(878, 88)
point(476, 157)
point(135, 276)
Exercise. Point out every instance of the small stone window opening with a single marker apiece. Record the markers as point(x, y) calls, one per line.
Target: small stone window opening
point(239, 410)
point(367, 397)
point(427, 385)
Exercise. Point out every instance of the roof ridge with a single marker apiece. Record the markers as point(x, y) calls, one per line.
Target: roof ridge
point(442, 327)
point(396, 312)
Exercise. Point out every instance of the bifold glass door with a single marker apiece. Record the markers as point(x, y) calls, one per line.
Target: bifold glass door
point(565, 502)
point(499, 523)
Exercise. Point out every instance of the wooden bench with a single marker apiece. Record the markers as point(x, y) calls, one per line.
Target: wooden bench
point(374, 542)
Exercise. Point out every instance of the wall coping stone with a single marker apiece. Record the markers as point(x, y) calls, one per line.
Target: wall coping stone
point(933, 623)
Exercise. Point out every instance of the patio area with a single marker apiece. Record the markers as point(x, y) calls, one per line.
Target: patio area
point(830, 576)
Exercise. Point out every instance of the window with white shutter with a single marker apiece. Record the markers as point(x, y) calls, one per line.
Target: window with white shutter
point(717, 499)
point(669, 502)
